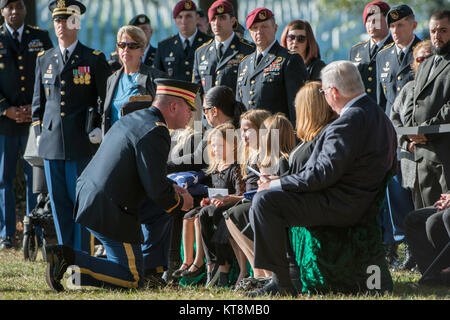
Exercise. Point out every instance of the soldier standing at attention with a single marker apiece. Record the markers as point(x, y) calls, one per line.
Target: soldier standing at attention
point(393, 72)
point(217, 61)
point(175, 55)
point(364, 54)
point(70, 79)
point(270, 77)
point(19, 46)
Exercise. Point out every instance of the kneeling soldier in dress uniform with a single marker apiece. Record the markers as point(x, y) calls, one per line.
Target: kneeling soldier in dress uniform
point(270, 77)
point(70, 79)
point(129, 168)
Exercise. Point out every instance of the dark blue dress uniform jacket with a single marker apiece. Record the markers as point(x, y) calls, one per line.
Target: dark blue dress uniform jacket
point(367, 65)
point(391, 75)
point(209, 71)
point(130, 167)
point(274, 83)
point(17, 67)
point(171, 59)
point(60, 105)
point(348, 165)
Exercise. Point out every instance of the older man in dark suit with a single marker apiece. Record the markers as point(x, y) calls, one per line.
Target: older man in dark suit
point(339, 183)
point(431, 106)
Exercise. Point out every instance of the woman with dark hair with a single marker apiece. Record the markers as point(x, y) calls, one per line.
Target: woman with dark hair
point(298, 36)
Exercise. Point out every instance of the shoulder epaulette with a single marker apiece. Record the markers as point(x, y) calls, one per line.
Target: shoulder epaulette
point(206, 43)
point(245, 57)
point(361, 42)
point(36, 28)
point(247, 42)
point(386, 47)
point(168, 38)
point(41, 53)
point(161, 124)
point(97, 52)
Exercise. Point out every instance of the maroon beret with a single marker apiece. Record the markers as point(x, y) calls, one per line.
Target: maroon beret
point(369, 9)
point(184, 5)
point(258, 15)
point(220, 7)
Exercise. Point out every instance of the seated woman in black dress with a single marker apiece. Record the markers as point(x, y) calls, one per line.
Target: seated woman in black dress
point(313, 114)
point(298, 36)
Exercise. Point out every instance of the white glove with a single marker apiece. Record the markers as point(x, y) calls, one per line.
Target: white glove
point(95, 136)
point(38, 138)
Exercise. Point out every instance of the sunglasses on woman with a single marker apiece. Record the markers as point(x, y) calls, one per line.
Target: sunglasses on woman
point(422, 59)
point(299, 38)
point(130, 45)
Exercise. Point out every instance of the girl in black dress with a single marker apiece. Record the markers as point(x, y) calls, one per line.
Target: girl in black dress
point(224, 173)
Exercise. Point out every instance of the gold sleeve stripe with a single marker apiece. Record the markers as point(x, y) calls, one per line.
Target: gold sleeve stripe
point(35, 123)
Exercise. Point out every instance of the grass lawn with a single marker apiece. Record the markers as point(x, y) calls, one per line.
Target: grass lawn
point(24, 280)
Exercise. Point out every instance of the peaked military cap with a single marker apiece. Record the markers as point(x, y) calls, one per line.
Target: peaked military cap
point(220, 7)
point(4, 3)
point(258, 15)
point(178, 88)
point(370, 9)
point(398, 12)
point(184, 5)
point(66, 8)
point(138, 20)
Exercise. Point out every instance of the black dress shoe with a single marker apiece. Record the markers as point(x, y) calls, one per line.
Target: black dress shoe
point(193, 274)
point(177, 273)
point(272, 289)
point(154, 281)
point(59, 258)
point(6, 243)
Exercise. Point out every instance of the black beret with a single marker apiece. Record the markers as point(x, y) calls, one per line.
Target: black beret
point(139, 20)
point(398, 12)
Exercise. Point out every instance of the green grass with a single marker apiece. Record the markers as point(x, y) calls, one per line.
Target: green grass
point(25, 280)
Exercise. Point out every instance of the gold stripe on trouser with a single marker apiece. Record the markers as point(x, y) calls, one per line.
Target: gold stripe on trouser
point(117, 281)
point(92, 244)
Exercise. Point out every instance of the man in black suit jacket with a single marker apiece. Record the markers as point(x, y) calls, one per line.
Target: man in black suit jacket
point(431, 104)
point(270, 77)
point(19, 46)
point(339, 183)
point(129, 168)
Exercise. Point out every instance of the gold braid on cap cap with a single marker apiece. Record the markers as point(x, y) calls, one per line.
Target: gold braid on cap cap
point(62, 9)
point(174, 91)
